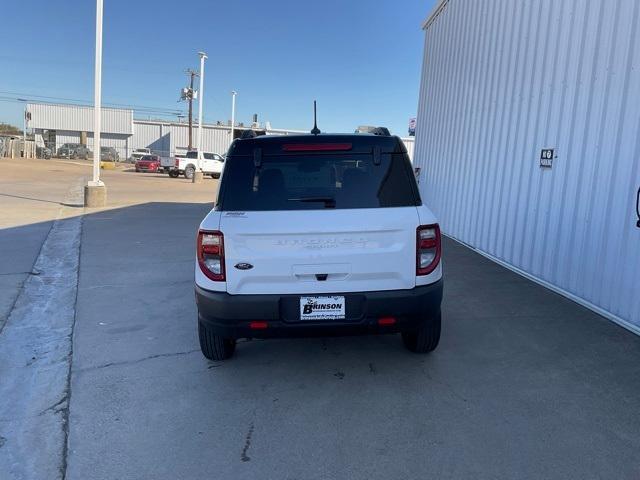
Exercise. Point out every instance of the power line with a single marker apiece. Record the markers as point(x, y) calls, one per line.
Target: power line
point(143, 108)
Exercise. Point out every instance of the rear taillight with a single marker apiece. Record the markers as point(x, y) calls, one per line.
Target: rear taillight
point(176, 163)
point(211, 254)
point(428, 249)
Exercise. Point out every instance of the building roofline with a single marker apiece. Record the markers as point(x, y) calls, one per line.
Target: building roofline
point(435, 11)
point(213, 125)
point(76, 105)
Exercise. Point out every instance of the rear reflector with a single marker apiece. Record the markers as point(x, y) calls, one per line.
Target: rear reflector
point(258, 325)
point(316, 147)
point(386, 321)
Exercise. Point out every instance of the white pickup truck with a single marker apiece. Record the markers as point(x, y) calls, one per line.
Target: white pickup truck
point(186, 165)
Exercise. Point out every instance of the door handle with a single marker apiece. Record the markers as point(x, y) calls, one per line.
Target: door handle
point(638, 208)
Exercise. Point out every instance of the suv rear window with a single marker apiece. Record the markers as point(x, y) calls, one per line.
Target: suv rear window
point(312, 182)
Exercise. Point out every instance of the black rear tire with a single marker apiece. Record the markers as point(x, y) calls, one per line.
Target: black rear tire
point(426, 339)
point(173, 173)
point(215, 347)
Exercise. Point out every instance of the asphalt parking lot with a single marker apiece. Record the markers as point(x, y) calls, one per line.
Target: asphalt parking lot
point(525, 383)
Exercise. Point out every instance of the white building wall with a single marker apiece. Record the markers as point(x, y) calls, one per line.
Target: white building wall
point(63, 137)
point(409, 142)
point(119, 142)
point(153, 135)
point(502, 80)
point(215, 139)
point(79, 118)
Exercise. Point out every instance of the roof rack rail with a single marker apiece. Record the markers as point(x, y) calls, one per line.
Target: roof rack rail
point(248, 134)
point(381, 131)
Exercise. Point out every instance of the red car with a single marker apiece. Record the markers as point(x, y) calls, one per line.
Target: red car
point(148, 163)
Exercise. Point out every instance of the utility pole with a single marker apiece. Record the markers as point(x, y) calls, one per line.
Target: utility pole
point(189, 98)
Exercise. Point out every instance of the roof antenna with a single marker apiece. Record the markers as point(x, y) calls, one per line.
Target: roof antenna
point(315, 130)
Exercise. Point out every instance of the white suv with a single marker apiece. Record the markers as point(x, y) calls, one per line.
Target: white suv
point(318, 235)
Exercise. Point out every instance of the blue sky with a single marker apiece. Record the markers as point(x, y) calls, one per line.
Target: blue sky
point(360, 59)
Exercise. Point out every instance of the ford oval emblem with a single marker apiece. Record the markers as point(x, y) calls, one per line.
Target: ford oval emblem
point(243, 266)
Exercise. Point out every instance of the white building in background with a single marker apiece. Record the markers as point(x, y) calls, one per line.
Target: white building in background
point(528, 141)
point(55, 125)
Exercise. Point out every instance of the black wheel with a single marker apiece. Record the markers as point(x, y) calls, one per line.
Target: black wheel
point(426, 339)
point(189, 171)
point(215, 347)
point(174, 173)
point(215, 175)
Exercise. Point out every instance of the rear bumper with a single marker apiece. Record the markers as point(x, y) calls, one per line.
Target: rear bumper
point(230, 315)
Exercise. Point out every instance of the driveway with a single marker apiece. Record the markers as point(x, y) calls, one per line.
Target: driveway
point(525, 384)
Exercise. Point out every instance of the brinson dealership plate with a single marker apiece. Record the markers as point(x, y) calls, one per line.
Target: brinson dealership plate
point(322, 308)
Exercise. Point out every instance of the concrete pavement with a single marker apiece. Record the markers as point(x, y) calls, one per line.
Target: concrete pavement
point(525, 383)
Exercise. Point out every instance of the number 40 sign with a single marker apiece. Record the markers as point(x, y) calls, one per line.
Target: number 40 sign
point(546, 157)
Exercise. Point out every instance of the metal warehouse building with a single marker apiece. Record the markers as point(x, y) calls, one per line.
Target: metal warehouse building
point(528, 141)
point(55, 125)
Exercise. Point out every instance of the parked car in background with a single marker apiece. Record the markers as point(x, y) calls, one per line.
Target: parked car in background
point(138, 153)
point(212, 164)
point(109, 154)
point(148, 163)
point(83, 152)
point(318, 235)
point(74, 150)
point(43, 152)
point(67, 149)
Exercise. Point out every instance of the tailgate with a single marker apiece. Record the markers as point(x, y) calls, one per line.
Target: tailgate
point(320, 251)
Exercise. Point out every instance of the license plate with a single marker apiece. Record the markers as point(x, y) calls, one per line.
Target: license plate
point(322, 308)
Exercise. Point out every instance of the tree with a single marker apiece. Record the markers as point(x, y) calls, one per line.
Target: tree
point(8, 129)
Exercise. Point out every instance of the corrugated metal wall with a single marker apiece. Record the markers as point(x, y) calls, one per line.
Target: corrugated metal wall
point(409, 142)
point(214, 139)
point(119, 142)
point(79, 118)
point(503, 79)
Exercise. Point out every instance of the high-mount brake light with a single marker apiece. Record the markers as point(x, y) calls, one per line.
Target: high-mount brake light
point(210, 250)
point(428, 249)
point(316, 147)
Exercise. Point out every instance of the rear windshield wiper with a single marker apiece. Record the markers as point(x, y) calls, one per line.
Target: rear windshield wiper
point(329, 202)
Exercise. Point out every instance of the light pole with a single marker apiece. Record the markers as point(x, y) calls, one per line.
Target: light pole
point(24, 128)
point(233, 113)
point(203, 57)
point(95, 192)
